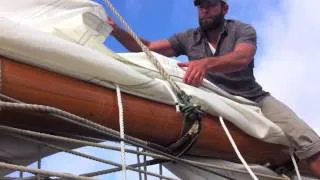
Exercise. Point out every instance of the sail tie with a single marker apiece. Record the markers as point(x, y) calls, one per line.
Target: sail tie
point(236, 149)
point(296, 168)
point(121, 125)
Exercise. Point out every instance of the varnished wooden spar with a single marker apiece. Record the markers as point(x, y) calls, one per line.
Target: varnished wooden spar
point(144, 119)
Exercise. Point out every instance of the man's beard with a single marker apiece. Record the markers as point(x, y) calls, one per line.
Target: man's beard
point(211, 23)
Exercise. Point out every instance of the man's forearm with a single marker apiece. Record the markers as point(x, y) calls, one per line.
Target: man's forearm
point(126, 39)
point(231, 62)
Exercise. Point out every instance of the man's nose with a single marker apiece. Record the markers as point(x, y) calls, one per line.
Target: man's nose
point(204, 10)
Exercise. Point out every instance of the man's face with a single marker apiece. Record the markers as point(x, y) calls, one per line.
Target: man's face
point(211, 15)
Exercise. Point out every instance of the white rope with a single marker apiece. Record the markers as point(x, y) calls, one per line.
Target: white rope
point(121, 124)
point(296, 168)
point(236, 149)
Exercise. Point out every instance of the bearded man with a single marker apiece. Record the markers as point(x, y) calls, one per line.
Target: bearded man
point(222, 50)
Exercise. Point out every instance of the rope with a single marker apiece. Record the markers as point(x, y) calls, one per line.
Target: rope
point(99, 128)
point(1, 76)
point(70, 117)
point(42, 172)
point(39, 160)
point(83, 155)
point(138, 165)
point(296, 168)
point(138, 161)
point(159, 155)
point(121, 125)
point(145, 167)
point(145, 49)
point(69, 140)
point(236, 149)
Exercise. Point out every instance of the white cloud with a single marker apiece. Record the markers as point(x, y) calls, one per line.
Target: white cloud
point(288, 66)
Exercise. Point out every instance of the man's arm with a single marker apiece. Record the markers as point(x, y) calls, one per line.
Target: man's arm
point(161, 46)
point(238, 59)
point(242, 55)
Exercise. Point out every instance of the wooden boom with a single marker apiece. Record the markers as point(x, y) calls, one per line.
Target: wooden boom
point(144, 119)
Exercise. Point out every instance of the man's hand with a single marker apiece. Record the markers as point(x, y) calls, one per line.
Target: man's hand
point(196, 72)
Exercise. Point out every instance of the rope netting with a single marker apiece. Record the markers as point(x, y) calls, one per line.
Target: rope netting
point(142, 149)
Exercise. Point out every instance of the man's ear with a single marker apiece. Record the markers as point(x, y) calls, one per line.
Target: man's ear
point(225, 8)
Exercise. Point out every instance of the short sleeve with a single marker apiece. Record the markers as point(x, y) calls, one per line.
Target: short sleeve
point(246, 34)
point(177, 43)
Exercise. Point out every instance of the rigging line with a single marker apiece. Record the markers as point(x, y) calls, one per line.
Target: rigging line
point(68, 140)
point(42, 172)
point(81, 154)
point(69, 117)
point(138, 161)
point(89, 174)
point(74, 119)
point(145, 167)
point(138, 165)
point(101, 129)
point(87, 143)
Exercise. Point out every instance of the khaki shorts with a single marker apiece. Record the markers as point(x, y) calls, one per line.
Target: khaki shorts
point(304, 139)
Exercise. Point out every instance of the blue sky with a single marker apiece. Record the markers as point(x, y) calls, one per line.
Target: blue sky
point(287, 60)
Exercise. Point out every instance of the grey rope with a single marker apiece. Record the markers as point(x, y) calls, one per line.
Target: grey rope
point(188, 162)
point(138, 161)
point(4, 97)
point(21, 178)
point(191, 163)
point(39, 160)
point(138, 165)
point(145, 167)
point(42, 172)
point(69, 140)
point(83, 155)
point(10, 130)
point(25, 132)
point(160, 169)
point(91, 125)
point(67, 116)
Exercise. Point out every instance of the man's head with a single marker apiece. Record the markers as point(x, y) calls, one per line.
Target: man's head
point(211, 13)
